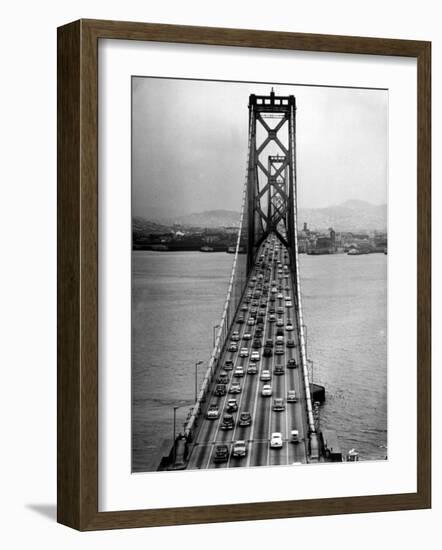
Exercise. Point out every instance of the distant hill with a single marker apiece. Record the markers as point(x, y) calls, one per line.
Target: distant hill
point(352, 215)
point(210, 218)
point(140, 225)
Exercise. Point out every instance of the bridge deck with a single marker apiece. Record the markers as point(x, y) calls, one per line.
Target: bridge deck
point(265, 420)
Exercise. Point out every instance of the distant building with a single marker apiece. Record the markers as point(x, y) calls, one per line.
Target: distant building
point(323, 244)
point(231, 230)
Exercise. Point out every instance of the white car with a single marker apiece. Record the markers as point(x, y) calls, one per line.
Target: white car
point(265, 375)
point(246, 336)
point(251, 321)
point(239, 449)
point(291, 396)
point(289, 327)
point(276, 440)
point(239, 371)
point(255, 356)
point(252, 368)
point(235, 387)
point(280, 296)
point(266, 390)
point(288, 304)
point(212, 412)
point(244, 352)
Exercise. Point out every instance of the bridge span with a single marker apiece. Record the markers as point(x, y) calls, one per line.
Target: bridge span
point(255, 406)
point(264, 390)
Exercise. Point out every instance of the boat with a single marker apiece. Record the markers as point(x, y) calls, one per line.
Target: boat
point(352, 455)
point(331, 448)
point(206, 248)
point(356, 252)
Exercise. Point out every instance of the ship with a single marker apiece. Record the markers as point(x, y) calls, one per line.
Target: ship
point(352, 456)
point(357, 252)
point(232, 250)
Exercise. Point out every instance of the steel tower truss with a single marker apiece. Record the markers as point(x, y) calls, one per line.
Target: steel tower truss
point(271, 184)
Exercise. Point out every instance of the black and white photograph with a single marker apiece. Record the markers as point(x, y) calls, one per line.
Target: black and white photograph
point(259, 274)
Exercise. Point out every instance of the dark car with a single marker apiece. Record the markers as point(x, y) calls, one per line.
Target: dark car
point(221, 453)
point(223, 378)
point(245, 419)
point(267, 352)
point(279, 369)
point(291, 363)
point(256, 344)
point(227, 423)
point(220, 389)
point(228, 365)
point(291, 344)
point(240, 320)
point(269, 343)
point(260, 321)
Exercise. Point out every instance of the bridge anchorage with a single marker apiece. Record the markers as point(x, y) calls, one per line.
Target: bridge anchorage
point(256, 405)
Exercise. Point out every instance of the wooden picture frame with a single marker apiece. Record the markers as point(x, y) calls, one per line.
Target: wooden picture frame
point(78, 274)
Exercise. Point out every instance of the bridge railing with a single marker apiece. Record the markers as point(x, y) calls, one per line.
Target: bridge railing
point(301, 333)
point(233, 298)
point(235, 290)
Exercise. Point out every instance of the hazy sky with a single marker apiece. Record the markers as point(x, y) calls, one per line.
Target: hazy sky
point(190, 144)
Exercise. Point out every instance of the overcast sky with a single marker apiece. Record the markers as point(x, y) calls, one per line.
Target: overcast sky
point(190, 144)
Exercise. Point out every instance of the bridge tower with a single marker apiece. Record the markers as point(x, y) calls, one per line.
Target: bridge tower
point(271, 180)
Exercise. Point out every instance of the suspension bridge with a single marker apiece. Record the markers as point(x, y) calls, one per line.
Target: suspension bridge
point(255, 405)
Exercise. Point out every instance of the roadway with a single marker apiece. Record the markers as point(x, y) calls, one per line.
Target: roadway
point(269, 286)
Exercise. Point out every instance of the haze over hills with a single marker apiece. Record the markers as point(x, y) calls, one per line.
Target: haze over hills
point(210, 218)
point(352, 215)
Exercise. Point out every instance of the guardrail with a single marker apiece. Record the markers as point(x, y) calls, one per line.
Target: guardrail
point(302, 341)
point(231, 304)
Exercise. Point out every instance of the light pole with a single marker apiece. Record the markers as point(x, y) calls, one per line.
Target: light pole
point(311, 363)
point(213, 334)
point(196, 378)
point(174, 430)
point(305, 338)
